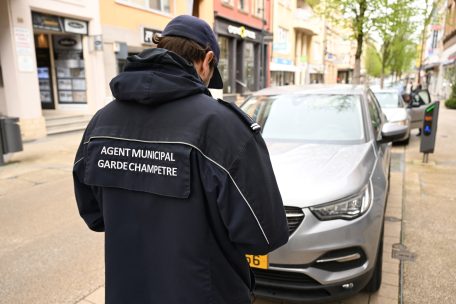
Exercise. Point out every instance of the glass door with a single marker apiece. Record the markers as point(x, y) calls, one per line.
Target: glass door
point(43, 60)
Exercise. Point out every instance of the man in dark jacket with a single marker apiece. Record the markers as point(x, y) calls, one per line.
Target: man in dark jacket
point(180, 183)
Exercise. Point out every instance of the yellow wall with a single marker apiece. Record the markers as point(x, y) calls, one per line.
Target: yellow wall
point(120, 15)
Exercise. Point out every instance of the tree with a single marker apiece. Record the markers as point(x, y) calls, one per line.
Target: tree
point(357, 15)
point(403, 56)
point(393, 25)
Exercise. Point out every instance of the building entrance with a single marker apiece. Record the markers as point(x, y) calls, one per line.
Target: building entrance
point(60, 60)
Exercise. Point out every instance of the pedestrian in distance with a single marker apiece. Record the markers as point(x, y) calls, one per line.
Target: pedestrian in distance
point(181, 184)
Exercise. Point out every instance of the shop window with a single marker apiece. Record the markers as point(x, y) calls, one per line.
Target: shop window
point(157, 5)
point(223, 65)
point(70, 70)
point(249, 66)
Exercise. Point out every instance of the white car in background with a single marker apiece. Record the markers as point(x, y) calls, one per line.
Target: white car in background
point(395, 110)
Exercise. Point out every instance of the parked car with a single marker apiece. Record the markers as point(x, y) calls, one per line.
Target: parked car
point(395, 109)
point(417, 102)
point(330, 150)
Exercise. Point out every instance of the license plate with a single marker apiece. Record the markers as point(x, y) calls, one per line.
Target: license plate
point(257, 261)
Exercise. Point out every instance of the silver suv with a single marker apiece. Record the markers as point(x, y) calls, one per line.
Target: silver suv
point(330, 149)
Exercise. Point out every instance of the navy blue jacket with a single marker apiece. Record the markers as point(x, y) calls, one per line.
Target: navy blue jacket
point(181, 185)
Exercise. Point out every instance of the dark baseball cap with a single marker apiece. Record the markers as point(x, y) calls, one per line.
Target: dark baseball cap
point(198, 30)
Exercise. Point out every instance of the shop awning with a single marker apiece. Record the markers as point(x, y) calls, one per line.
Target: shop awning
point(450, 59)
point(283, 67)
point(431, 65)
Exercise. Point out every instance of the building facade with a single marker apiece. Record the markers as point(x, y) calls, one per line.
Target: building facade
point(243, 30)
point(297, 56)
point(449, 49)
point(128, 27)
point(433, 64)
point(50, 60)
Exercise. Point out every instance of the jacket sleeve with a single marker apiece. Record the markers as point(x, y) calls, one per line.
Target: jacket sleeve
point(87, 197)
point(249, 201)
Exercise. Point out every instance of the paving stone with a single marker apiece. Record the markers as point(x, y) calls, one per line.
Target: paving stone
point(388, 291)
point(378, 299)
point(393, 229)
point(390, 267)
point(361, 298)
point(97, 297)
point(390, 279)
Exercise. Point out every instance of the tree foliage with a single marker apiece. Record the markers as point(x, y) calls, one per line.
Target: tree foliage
point(372, 61)
point(390, 19)
point(394, 26)
point(356, 15)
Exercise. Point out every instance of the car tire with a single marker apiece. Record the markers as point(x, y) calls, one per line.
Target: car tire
point(376, 280)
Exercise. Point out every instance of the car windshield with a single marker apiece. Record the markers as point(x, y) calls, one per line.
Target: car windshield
point(313, 118)
point(388, 100)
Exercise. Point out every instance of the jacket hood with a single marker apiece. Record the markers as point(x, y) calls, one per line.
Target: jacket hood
point(156, 76)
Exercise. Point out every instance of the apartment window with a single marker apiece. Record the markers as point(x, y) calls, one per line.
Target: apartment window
point(229, 2)
point(157, 5)
point(258, 8)
point(281, 41)
point(243, 5)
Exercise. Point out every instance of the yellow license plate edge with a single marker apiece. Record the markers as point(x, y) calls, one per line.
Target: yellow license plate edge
point(258, 261)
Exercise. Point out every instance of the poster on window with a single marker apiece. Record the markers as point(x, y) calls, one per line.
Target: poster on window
point(79, 84)
point(79, 96)
point(65, 84)
point(46, 96)
point(65, 96)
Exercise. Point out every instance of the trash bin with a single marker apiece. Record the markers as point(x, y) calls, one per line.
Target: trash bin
point(10, 136)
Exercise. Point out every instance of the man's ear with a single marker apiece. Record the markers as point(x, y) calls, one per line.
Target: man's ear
point(208, 59)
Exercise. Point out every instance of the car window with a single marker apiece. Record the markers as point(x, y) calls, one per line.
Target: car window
point(313, 118)
point(374, 113)
point(424, 95)
point(388, 100)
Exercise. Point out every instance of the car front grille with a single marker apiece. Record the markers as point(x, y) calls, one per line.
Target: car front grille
point(295, 215)
point(285, 278)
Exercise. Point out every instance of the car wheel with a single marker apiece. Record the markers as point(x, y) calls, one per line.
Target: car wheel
point(376, 280)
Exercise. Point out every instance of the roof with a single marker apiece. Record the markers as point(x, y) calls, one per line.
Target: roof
point(320, 89)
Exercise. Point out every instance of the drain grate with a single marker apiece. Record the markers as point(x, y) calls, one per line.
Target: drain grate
point(401, 253)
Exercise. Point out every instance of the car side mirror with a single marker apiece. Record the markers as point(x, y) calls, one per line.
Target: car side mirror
point(391, 132)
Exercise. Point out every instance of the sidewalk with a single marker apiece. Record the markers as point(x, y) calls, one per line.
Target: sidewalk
point(429, 228)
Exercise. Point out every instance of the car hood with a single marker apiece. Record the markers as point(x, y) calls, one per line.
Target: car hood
point(313, 174)
point(395, 114)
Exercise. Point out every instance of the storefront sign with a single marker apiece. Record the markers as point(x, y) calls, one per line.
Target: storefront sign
point(46, 22)
point(67, 42)
point(75, 26)
point(241, 31)
point(148, 34)
point(25, 50)
point(59, 24)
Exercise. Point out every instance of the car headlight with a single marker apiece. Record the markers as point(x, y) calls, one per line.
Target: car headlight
point(347, 209)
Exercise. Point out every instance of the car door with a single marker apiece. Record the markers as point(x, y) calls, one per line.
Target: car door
point(420, 101)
